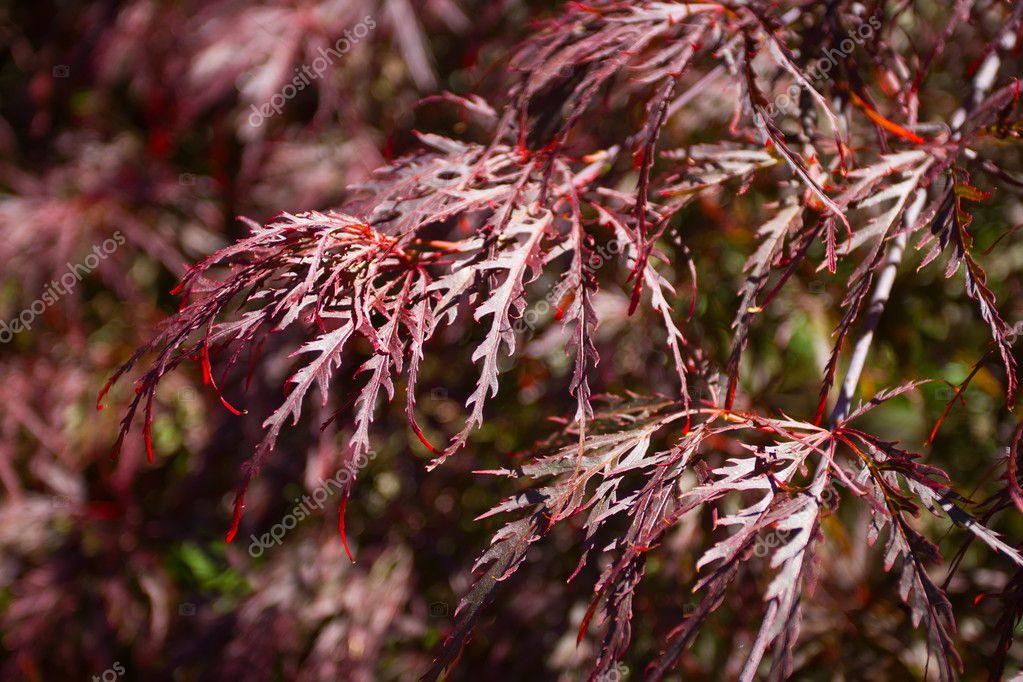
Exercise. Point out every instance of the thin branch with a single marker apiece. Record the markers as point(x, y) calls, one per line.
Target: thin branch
point(882, 290)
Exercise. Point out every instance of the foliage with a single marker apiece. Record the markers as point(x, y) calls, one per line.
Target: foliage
point(590, 195)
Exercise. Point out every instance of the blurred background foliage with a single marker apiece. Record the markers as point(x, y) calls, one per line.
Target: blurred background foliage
point(132, 117)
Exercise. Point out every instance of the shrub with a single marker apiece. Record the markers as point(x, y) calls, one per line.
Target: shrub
point(845, 151)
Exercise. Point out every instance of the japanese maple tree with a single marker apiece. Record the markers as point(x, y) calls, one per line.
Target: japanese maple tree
point(819, 122)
